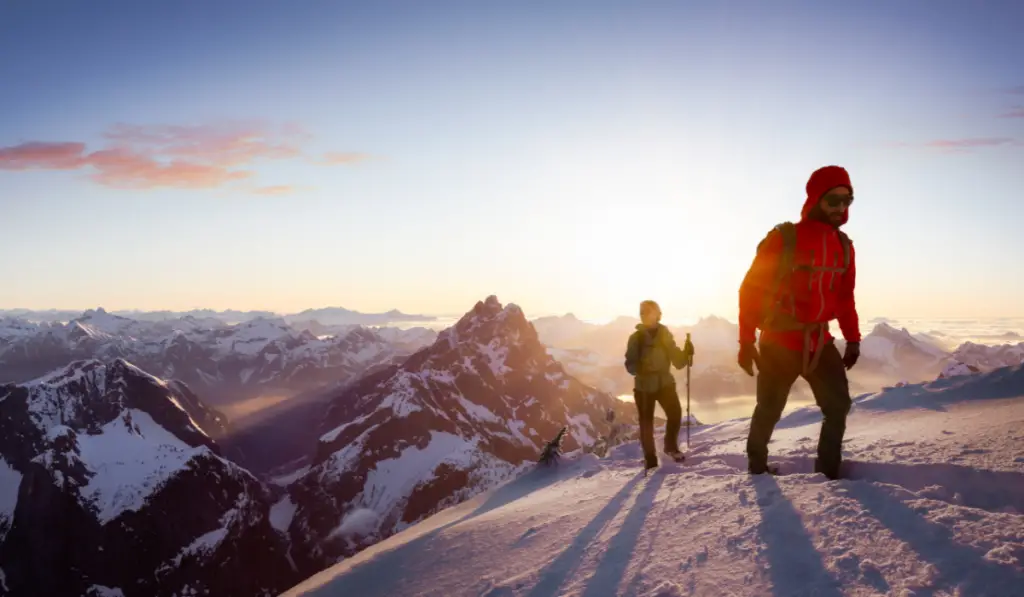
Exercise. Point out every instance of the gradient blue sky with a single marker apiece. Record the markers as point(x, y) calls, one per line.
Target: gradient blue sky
point(566, 156)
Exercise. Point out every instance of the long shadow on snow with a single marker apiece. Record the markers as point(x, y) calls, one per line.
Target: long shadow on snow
point(554, 574)
point(612, 568)
point(995, 491)
point(795, 565)
point(376, 575)
point(959, 566)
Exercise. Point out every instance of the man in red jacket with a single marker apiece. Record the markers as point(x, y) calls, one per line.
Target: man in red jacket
point(802, 277)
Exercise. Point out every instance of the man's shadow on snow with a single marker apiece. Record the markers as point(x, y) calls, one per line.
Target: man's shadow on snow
point(612, 567)
point(554, 574)
point(795, 566)
point(376, 575)
point(959, 566)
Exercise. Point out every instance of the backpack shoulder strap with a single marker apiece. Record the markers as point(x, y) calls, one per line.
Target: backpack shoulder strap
point(844, 240)
point(784, 268)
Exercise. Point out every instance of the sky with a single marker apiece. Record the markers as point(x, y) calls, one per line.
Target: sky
point(568, 157)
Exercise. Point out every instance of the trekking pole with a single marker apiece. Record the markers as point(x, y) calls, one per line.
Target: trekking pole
point(689, 421)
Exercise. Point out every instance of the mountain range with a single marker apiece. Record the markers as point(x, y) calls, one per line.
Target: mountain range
point(326, 316)
point(114, 482)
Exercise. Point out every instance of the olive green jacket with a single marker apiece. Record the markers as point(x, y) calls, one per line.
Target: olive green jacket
point(649, 358)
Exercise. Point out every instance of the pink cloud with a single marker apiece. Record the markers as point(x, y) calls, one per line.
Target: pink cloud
point(194, 156)
point(1017, 112)
point(124, 168)
point(42, 155)
point(344, 157)
point(960, 145)
point(225, 145)
point(971, 143)
point(282, 189)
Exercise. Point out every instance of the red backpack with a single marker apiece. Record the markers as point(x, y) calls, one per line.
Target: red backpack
point(774, 315)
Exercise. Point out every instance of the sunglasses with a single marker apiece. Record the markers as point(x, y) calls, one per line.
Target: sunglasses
point(837, 200)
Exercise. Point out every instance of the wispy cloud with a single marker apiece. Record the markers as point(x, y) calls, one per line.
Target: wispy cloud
point(971, 142)
point(41, 155)
point(1018, 90)
point(281, 189)
point(1017, 112)
point(964, 144)
point(347, 157)
point(148, 157)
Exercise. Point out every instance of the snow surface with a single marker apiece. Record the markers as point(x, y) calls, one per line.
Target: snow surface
point(101, 591)
point(281, 514)
point(953, 369)
point(359, 522)
point(10, 481)
point(391, 480)
point(933, 504)
point(130, 463)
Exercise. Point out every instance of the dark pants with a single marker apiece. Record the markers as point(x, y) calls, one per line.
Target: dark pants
point(669, 401)
point(778, 369)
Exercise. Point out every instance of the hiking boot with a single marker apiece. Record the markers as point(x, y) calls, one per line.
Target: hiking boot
point(760, 468)
point(831, 471)
point(675, 455)
point(650, 461)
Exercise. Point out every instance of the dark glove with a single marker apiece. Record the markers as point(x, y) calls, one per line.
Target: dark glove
point(688, 351)
point(852, 354)
point(748, 357)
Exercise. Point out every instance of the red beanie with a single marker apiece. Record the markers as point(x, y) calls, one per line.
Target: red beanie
point(822, 181)
point(825, 179)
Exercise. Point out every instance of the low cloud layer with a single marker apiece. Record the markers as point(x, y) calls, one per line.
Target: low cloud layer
point(149, 157)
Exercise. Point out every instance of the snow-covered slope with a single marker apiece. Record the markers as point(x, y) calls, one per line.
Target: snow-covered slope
point(957, 368)
point(933, 505)
point(108, 477)
point(450, 421)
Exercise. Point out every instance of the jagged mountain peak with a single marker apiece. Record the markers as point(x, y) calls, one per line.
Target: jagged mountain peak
point(86, 395)
point(489, 321)
point(449, 421)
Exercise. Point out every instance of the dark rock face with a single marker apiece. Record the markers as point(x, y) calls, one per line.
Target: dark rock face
point(450, 421)
point(109, 481)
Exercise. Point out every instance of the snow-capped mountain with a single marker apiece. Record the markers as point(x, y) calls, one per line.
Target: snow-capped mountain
point(340, 316)
point(330, 316)
point(892, 352)
point(956, 368)
point(933, 504)
point(110, 481)
point(452, 420)
point(226, 362)
point(987, 357)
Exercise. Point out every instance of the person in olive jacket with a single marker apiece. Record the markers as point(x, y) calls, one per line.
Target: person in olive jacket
point(651, 352)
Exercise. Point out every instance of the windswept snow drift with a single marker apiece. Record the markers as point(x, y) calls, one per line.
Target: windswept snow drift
point(933, 504)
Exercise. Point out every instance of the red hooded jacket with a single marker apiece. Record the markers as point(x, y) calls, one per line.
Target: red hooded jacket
point(818, 297)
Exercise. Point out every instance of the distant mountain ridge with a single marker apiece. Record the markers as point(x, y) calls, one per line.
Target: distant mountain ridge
point(264, 355)
point(325, 315)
